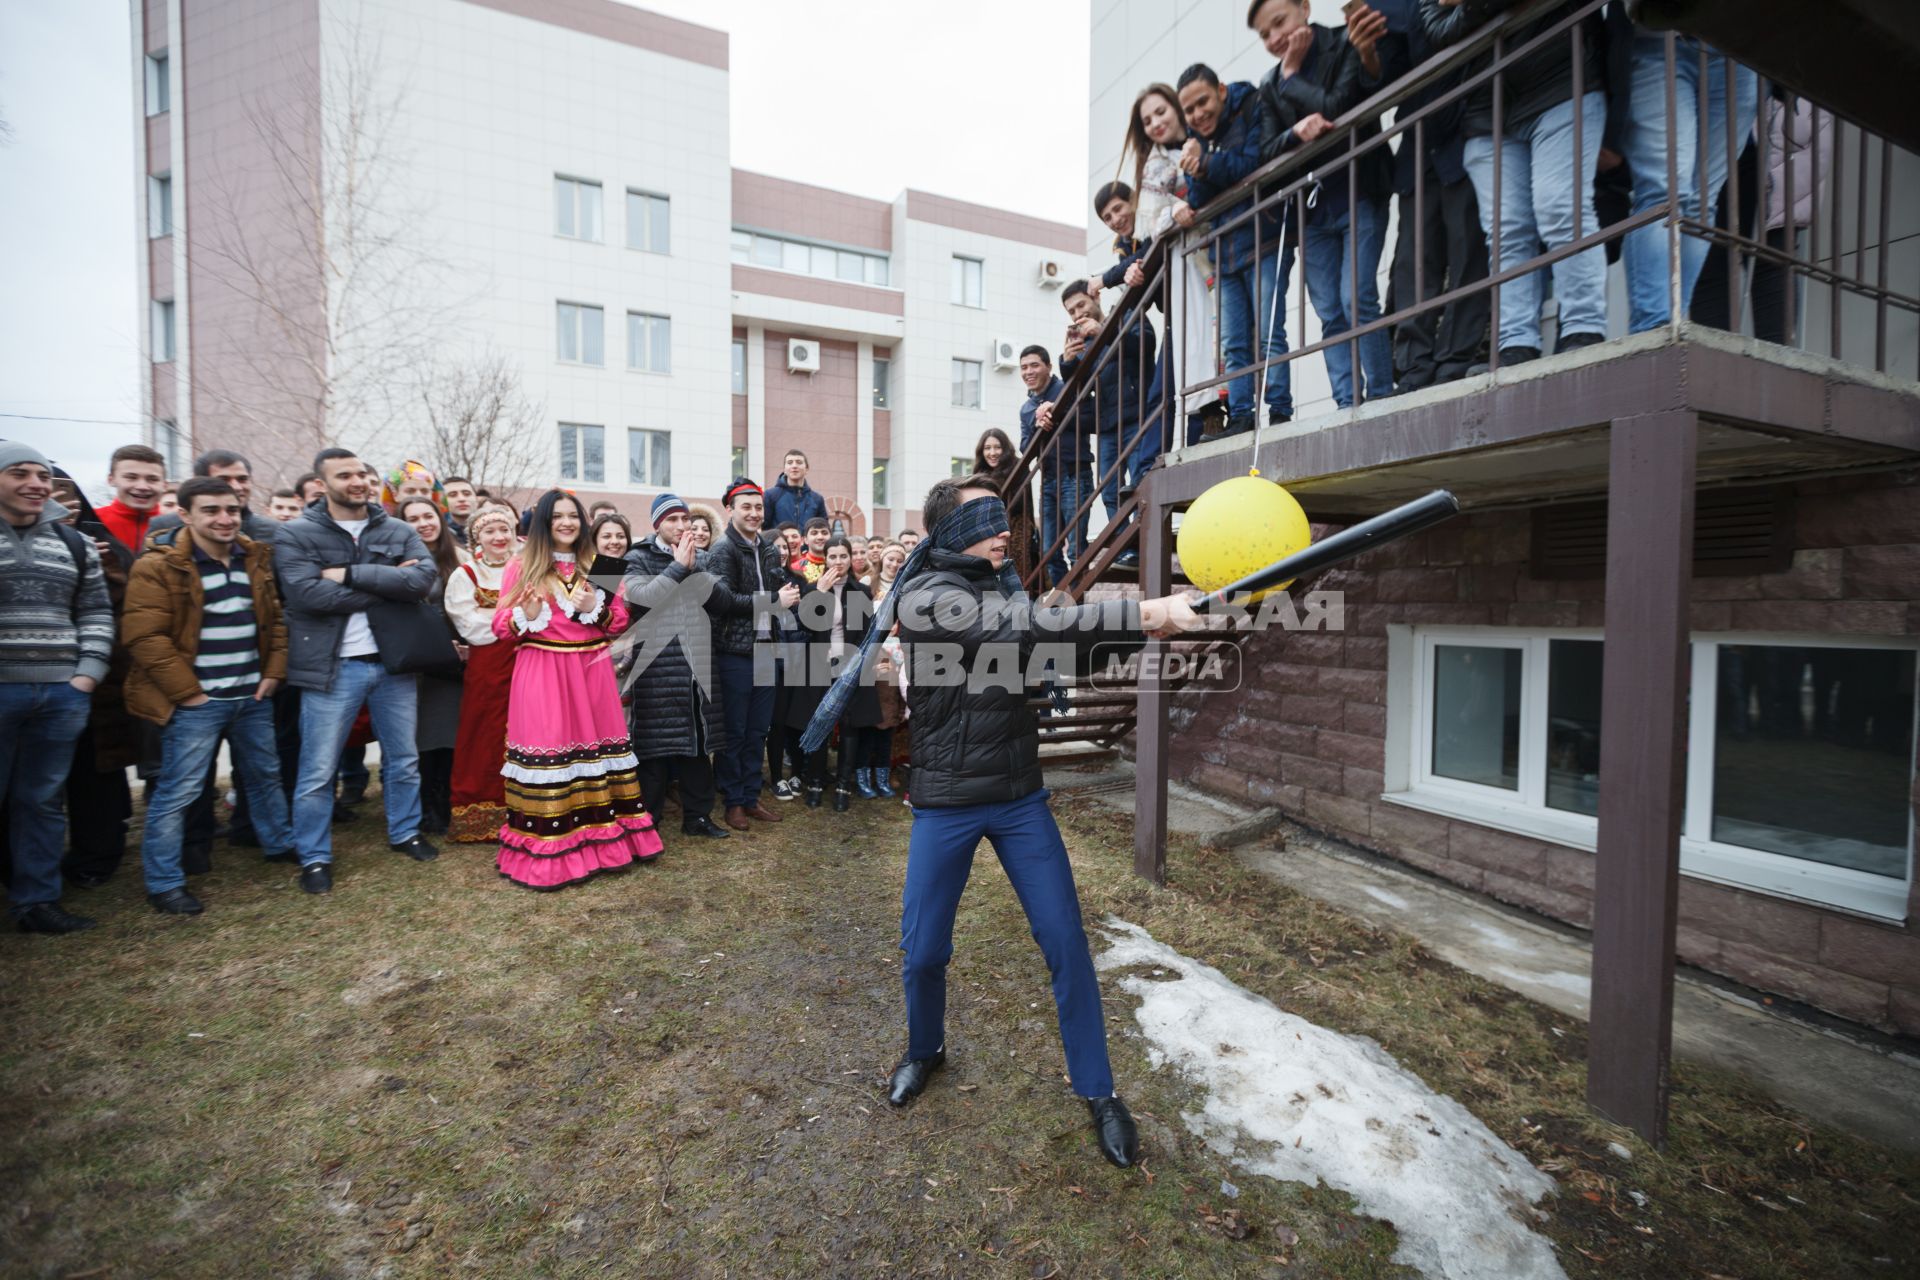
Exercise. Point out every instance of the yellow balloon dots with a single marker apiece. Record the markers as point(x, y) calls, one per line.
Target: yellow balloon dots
point(1239, 526)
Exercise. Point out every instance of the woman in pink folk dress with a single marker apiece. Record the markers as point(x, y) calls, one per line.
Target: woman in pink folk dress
point(573, 793)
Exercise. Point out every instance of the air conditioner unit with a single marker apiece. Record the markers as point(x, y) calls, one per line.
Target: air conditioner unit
point(803, 355)
point(1006, 353)
point(1053, 273)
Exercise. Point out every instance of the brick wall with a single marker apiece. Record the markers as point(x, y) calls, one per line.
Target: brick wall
point(1308, 734)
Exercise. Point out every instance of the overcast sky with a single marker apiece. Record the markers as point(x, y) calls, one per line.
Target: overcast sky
point(987, 102)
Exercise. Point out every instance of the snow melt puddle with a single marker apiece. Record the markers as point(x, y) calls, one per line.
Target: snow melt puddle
point(1391, 899)
point(1458, 1196)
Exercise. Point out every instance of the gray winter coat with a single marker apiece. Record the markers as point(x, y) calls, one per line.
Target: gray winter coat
point(667, 710)
point(317, 609)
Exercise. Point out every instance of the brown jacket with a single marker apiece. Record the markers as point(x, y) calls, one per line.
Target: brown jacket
point(160, 625)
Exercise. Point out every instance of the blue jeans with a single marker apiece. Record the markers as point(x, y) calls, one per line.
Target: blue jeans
point(1028, 844)
point(1538, 187)
point(1060, 494)
point(1247, 307)
point(1649, 292)
point(39, 723)
point(1325, 262)
point(746, 708)
point(188, 743)
point(326, 718)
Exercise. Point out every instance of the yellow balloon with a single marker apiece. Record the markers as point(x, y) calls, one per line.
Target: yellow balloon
point(1239, 526)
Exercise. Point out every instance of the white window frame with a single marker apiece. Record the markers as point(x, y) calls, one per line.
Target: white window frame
point(642, 438)
point(883, 382)
point(159, 205)
point(580, 310)
point(171, 444)
point(165, 337)
point(640, 236)
point(649, 322)
point(821, 260)
point(575, 204)
point(580, 452)
point(1411, 783)
point(963, 277)
point(159, 99)
point(737, 374)
point(882, 483)
point(959, 381)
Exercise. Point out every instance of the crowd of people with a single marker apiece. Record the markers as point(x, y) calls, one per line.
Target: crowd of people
point(1198, 139)
point(532, 677)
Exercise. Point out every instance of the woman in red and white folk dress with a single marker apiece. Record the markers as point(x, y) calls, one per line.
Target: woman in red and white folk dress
point(573, 792)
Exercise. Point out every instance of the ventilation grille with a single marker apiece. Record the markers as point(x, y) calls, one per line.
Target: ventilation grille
point(1735, 531)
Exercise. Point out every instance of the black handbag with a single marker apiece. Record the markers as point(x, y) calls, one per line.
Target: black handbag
point(414, 639)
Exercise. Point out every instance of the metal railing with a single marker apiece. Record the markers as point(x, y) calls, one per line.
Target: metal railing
point(1822, 236)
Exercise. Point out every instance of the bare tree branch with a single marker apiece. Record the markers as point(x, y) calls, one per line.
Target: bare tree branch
point(480, 425)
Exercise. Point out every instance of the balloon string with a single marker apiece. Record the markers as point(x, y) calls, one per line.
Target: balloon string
point(1262, 341)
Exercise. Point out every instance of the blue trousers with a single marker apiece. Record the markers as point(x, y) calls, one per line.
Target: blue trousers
point(190, 741)
point(1028, 844)
point(746, 709)
point(1060, 496)
point(326, 718)
point(39, 723)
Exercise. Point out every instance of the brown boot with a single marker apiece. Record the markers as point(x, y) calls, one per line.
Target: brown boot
point(762, 813)
point(737, 817)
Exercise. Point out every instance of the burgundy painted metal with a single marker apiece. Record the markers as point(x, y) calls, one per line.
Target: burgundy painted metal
point(1643, 762)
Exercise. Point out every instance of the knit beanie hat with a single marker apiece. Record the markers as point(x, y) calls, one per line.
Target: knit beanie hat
point(15, 452)
point(665, 505)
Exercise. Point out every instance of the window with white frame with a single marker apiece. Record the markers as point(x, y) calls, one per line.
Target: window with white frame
point(649, 343)
point(882, 488)
point(581, 333)
point(171, 445)
point(959, 468)
point(805, 257)
point(966, 384)
point(576, 208)
point(739, 460)
point(649, 222)
point(159, 205)
point(969, 282)
point(1800, 759)
point(159, 83)
point(649, 457)
point(739, 366)
point(583, 452)
point(882, 381)
point(162, 330)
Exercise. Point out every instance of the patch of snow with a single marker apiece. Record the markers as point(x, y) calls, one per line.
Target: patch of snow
point(1495, 936)
point(1391, 899)
point(1620, 1150)
point(1459, 1197)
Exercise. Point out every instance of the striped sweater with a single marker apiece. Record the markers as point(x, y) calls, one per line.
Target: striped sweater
point(55, 620)
point(227, 664)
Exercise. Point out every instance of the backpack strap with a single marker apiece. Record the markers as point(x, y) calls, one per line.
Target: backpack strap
point(77, 548)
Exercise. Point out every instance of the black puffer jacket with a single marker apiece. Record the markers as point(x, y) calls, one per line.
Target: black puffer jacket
point(981, 745)
point(667, 710)
point(731, 561)
point(1537, 81)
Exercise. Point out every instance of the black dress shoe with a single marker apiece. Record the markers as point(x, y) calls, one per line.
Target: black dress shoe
point(417, 848)
point(317, 878)
point(47, 917)
point(175, 902)
point(1113, 1126)
point(704, 826)
point(814, 795)
point(911, 1076)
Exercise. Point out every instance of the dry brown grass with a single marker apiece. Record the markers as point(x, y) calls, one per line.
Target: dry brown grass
point(675, 1072)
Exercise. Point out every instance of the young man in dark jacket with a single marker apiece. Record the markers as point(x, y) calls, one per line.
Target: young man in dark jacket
point(56, 636)
point(673, 707)
point(1122, 388)
point(749, 578)
point(1322, 74)
point(792, 500)
point(342, 557)
point(1066, 470)
point(209, 647)
point(976, 775)
point(1223, 147)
